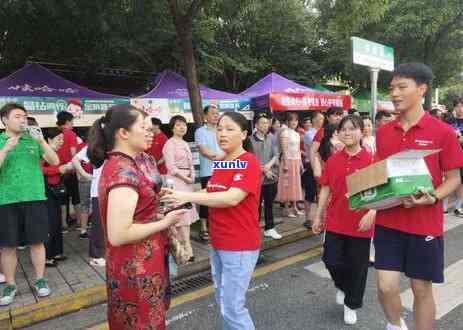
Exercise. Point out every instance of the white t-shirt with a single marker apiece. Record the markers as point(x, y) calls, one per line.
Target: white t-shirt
point(82, 156)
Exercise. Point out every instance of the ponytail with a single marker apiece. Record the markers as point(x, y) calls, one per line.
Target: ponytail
point(102, 135)
point(247, 145)
point(97, 146)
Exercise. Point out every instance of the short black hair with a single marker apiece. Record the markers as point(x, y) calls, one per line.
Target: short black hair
point(207, 107)
point(53, 132)
point(7, 108)
point(260, 115)
point(63, 117)
point(334, 111)
point(31, 121)
point(352, 111)
point(381, 114)
point(156, 121)
point(175, 119)
point(419, 72)
point(356, 121)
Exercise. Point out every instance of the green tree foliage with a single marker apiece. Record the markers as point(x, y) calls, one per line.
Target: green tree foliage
point(234, 42)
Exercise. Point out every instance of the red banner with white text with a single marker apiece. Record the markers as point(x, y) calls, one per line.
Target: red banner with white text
point(308, 101)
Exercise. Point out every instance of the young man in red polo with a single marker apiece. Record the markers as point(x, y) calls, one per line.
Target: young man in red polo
point(409, 238)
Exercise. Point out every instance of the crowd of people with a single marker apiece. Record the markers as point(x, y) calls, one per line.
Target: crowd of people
point(137, 187)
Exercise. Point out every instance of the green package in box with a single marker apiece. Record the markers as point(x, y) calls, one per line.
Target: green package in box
point(382, 185)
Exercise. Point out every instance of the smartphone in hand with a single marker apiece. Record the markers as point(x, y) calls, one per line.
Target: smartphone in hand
point(186, 206)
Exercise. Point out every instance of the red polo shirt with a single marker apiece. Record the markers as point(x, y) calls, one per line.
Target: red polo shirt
point(340, 218)
point(69, 141)
point(156, 151)
point(428, 133)
point(237, 228)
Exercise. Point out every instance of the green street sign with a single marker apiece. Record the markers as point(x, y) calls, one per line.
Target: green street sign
point(372, 54)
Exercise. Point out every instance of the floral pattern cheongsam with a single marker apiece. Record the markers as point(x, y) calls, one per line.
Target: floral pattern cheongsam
point(137, 273)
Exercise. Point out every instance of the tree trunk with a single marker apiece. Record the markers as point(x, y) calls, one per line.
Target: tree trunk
point(186, 41)
point(183, 21)
point(427, 59)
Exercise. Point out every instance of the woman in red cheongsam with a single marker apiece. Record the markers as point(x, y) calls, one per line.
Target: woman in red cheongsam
point(136, 240)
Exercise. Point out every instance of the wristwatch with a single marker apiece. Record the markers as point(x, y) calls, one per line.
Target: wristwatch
point(436, 200)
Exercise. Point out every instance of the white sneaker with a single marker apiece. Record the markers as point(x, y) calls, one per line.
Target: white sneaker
point(272, 233)
point(340, 297)
point(98, 262)
point(403, 326)
point(2, 278)
point(350, 316)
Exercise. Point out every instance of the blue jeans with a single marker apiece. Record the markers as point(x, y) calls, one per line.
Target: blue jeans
point(231, 272)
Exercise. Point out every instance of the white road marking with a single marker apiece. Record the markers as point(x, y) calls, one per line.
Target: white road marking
point(319, 269)
point(447, 295)
point(189, 313)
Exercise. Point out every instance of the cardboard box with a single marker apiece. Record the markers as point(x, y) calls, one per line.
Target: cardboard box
point(382, 185)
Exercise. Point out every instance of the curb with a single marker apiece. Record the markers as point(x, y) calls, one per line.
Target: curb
point(57, 306)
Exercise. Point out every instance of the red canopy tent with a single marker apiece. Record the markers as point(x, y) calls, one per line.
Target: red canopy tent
point(278, 93)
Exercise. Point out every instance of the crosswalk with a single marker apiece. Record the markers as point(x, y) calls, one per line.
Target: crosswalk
point(448, 295)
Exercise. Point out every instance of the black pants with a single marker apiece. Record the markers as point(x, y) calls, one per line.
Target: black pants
point(96, 243)
point(54, 244)
point(268, 194)
point(347, 258)
point(203, 210)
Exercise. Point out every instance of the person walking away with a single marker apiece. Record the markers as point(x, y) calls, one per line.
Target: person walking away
point(84, 206)
point(135, 234)
point(233, 196)
point(96, 245)
point(265, 152)
point(209, 151)
point(180, 169)
point(22, 198)
point(348, 233)
point(407, 234)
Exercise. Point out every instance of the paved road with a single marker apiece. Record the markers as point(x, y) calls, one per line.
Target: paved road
point(300, 296)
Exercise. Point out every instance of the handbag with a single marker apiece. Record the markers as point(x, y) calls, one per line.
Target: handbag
point(177, 249)
point(58, 191)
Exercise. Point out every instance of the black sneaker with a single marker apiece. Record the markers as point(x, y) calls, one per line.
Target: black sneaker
point(458, 212)
point(83, 235)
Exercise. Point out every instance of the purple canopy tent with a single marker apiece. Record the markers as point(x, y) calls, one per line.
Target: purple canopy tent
point(170, 96)
point(41, 90)
point(171, 85)
point(281, 94)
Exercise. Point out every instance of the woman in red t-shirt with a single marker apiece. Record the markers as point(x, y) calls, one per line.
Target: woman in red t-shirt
point(347, 233)
point(232, 195)
point(136, 239)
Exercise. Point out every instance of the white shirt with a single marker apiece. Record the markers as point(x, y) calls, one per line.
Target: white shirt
point(82, 156)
